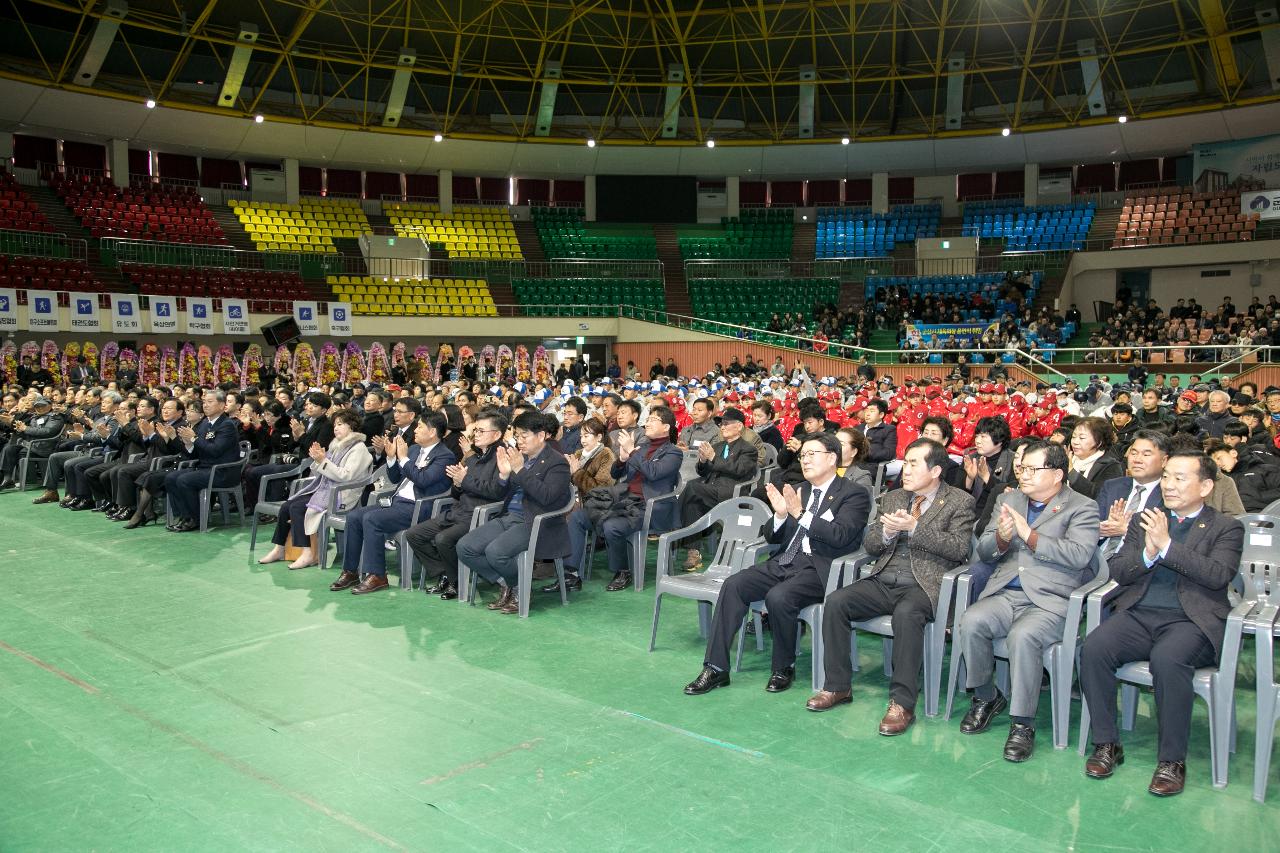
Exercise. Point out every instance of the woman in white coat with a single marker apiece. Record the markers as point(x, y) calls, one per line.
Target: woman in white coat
point(346, 461)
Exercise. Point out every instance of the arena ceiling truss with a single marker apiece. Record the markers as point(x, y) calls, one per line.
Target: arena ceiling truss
point(659, 72)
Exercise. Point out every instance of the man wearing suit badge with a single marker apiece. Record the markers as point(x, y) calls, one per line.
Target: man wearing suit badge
point(215, 440)
point(1173, 572)
point(922, 533)
point(824, 519)
point(536, 480)
point(1121, 498)
point(1042, 539)
point(419, 470)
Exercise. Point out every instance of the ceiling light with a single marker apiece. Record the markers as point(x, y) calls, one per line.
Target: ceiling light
point(151, 104)
point(1122, 119)
point(258, 119)
point(591, 143)
point(711, 143)
point(439, 137)
point(1006, 132)
point(844, 140)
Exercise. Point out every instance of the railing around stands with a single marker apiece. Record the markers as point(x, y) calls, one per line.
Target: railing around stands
point(856, 269)
point(37, 244)
point(154, 253)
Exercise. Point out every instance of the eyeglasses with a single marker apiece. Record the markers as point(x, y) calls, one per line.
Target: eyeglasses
point(809, 454)
point(479, 430)
point(1027, 470)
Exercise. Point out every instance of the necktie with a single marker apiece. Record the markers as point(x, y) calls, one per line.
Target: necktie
point(793, 547)
point(917, 506)
point(1135, 500)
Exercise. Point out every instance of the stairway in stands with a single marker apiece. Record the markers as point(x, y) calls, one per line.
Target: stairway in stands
point(232, 228)
point(674, 283)
point(63, 220)
point(804, 242)
point(527, 237)
point(1103, 227)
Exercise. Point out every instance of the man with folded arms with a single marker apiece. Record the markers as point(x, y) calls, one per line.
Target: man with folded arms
point(1173, 570)
point(922, 533)
point(1041, 539)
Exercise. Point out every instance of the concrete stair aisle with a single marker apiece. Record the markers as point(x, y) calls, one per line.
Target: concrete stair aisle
point(63, 220)
point(232, 229)
point(804, 242)
point(530, 245)
point(1103, 227)
point(674, 283)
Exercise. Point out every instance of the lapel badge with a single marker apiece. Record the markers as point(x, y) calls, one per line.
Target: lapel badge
point(1201, 524)
point(208, 436)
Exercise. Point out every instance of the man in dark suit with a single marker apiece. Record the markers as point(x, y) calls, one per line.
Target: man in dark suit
point(1173, 571)
point(822, 520)
point(215, 440)
point(722, 466)
point(373, 423)
point(475, 482)
point(160, 440)
point(922, 533)
point(419, 470)
point(82, 373)
point(401, 421)
point(1121, 498)
point(536, 481)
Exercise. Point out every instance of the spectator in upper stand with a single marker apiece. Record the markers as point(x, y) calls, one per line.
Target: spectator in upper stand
point(655, 372)
point(671, 371)
point(881, 437)
point(614, 370)
point(1217, 414)
point(1073, 315)
point(778, 369)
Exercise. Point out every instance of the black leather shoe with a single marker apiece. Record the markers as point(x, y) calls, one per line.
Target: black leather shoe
point(781, 681)
point(449, 593)
point(441, 584)
point(707, 680)
point(1021, 743)
point(82, 505)
point(123, 513)
point(981, 713)
point(571, 582)
point(8, 484)
point(1169, 778)
point(620, 581)
point(1104, 761)
point(186, 525)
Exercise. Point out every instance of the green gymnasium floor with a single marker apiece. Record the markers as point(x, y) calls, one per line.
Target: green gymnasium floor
point(160, 692)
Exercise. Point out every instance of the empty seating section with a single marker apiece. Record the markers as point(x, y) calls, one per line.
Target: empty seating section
point(757, 233)
point(1045, 228)
point(564, 234)
point(48, 274)
point(754, 301)
point(17, 211)
point(151, 212)
point(471, 232)
point(557, 297)
point(307, 227)
point(399, 297)
point(267, 291)
point(1178, 218)
point(981, 292)
point(856, 232)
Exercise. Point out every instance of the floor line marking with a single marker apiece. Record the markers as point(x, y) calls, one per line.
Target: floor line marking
point(30, 658)
point(704, 738)
point(481, 762)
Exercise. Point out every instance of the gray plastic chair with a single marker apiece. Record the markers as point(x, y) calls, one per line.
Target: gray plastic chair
point(935, 636)
point(407, 558)
point(1261, 584)
point(233, 493)
point(1059, 658)
point(337, 521)
point(740, 545)
point(810, 615)
point(479, 516)
point(524, 577)
point(639, 542)
point(1272, 509)
point(402, 549)
point(32, 467)
point(1215, 685)
point(266, 507)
